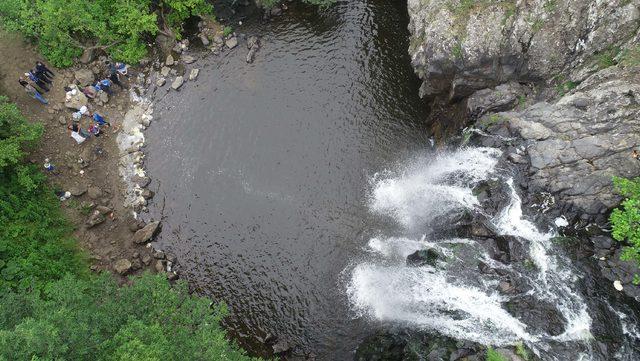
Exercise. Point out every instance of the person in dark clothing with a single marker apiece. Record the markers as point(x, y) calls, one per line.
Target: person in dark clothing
point(40, 75)
point(113, 74)
point(36, 80)
point(23, 82)
point(40, 67)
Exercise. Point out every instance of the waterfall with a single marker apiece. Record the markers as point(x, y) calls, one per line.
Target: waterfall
point(453, 297)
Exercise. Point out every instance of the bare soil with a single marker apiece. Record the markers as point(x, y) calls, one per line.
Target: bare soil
point(98, 158)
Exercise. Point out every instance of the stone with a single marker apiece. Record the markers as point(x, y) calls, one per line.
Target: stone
point(104, 210)
point(276, 11)
point(177, 83)
point(423, 257)
point(281, 346)
point(94, 192)
point(84, 77)
point(617, 285)
point(76, 101)
point(147, 233)
point(146, 259)
point(77, 190)
point(253, 41)
point(147, 193)
point(95, 219)
point(204, 39)
point(218, 39)
point(103, 97)
point(188, 59)
point(62, 120)
point(158, 255)
point(193, 75)
point(171, 258)
point(232, 42)
point(169, 61)
point(160, 82)
point(251, 55)
point(172, 276)
point(164, 71)
point(141, 181)
point(122, 266)
point(136, 264)
point(159, 266)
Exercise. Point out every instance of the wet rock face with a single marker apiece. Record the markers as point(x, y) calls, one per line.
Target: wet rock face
point(457, 48)
point(579, 142)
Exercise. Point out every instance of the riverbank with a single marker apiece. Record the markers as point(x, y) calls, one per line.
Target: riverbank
point(104, 225)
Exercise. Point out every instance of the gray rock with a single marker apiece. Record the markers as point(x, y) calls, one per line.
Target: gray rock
point(95, 219)
point(169, 61)
point(122, 266)
point(188, 59)
point(159, 266)
point(164, 71)
point(204, 39)
point(146, 259)
point(78, 190)
point(62, 120)
point(104, 210)
point(457, 50)
point(193, 75)
point(147, 233)
point(159, 255)
point(177, 83)
point(84, 77)
point(94, 192)
point(160, 82)
point(218, 39)
point(76, 101)
point(232, 42)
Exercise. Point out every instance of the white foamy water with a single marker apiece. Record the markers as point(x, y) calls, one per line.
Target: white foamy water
point(454, 298)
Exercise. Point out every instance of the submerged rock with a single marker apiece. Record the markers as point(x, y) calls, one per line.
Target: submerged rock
point(423, 257)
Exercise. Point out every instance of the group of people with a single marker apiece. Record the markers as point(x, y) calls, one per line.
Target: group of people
point(42, 77)
point(95, 125)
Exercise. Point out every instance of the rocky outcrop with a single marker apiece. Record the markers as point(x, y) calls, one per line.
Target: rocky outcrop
point(576, 144)
point(458, 47)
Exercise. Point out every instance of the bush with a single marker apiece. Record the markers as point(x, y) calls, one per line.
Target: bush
point(95, 319)
point(493, 355)
point(64, 28)
point(53, 308)
point(625, 220)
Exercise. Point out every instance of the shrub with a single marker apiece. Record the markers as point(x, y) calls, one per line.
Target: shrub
point(625, 220)
point(493, 355)
point(64, 28)
point(95, 319)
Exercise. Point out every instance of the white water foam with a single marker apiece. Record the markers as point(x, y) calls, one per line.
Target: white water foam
point(455, 299)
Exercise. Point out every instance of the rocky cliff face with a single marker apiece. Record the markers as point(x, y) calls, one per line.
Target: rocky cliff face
point(460, 46)
point(569, 67)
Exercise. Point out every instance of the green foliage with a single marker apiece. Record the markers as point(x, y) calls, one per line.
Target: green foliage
point(607, 58)
point(226, 31)
point(95, 319)
point(53, 308)
point(175, 12)
point(549, 6)
point(625, 220)
point(15, 134)
point(565, 87)
point(630, 57)
point(522, 351)
point(63, 28)
point(493, 355)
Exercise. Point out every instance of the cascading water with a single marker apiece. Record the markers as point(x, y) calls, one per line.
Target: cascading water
point(454, 296)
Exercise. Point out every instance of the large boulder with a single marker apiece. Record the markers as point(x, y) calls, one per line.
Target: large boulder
point(146, 234)
point(459, 47)
point(579, 142)
point(84, 77)
point(75, 100)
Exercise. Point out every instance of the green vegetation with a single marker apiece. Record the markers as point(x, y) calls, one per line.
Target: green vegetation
point(493, 355)
point(625, 220)
point(522, 351)
point(226, 31)
point(607, 57)
point(549, 6)
point(63, 29)
point(268, 4)
point(457, 50)
point(630, 57)
point(565, 87)
point(53, 308)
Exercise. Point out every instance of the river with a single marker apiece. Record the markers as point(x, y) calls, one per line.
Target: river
point(262, 169)
point(295, 187)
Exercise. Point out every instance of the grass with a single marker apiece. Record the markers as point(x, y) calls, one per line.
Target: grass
point(565, 87)
point(522, 351)
point(550, 5)
point(630, 57)
point(226, 31)
point(493, 355)
point(607, 58)
point(457, 50)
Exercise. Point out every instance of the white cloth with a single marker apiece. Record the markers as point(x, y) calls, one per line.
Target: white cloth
point(77, 137)
point(83, 109)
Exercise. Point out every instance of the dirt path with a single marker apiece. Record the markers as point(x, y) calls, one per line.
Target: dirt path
point(89, 170)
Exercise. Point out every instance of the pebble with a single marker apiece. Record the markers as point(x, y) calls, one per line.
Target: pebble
point(177, 83)
point(169, 61)
point(618, 285)
point(193, 75)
